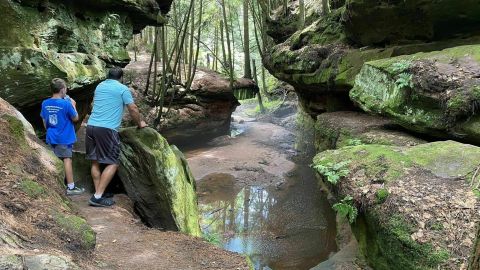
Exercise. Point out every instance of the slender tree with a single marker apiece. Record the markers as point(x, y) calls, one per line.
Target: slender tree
point(228, 42)
point(246, 41)
point(301, 15)
point(259, 94)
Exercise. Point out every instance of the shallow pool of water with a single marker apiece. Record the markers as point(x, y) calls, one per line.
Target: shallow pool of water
point(287, 226)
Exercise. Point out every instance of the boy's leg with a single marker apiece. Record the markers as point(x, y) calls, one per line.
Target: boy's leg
point(67, 162)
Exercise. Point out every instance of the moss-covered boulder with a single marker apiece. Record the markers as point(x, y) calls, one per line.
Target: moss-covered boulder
point(157, 178)
point(73, 40)
point(35, 215)
point(417, 205)
point(436, 93)
point(338, 129)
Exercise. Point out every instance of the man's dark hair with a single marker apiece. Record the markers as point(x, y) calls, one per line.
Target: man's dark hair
point(56, 85)
point(115, 73)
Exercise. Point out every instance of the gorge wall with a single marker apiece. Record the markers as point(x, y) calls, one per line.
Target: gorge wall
point(73, 40)
point(384, 79)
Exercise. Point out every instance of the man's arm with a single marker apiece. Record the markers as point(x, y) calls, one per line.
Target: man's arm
point(136, 116)
point(44, 124)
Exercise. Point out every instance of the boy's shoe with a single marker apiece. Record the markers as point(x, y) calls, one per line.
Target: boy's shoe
point(75, 191)
point(102, 202)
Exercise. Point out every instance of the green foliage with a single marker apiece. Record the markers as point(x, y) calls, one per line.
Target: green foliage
point(381, 195)
point(345, 208)
point(401, 66)
point(212, 238)
point(354, 142)
point(404, 80)
point(477, 193)
point(269, 105)
point(333, 171)
point(32, 188)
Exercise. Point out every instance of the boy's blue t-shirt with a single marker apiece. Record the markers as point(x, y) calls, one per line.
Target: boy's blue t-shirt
point(108, 103)
point(57, 114)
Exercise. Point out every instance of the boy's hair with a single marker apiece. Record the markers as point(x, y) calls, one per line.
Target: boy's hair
point(57, 84)
point(115, 73)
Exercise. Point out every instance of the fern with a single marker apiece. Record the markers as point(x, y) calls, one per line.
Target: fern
point(333, 172)
point(345, 208)
point(400, 67)
point(404, 81)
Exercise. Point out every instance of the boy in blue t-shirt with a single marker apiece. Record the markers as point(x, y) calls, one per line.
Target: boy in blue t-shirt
point(58, 115)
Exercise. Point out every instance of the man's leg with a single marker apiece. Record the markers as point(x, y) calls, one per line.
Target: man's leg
point(107, 176)
point(96, 173)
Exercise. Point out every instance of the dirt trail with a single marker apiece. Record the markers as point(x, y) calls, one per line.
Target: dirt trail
point(123, 242)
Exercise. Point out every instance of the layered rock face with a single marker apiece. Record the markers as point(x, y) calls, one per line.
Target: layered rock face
point(436, 93)
point(38, 227)
point(322, 60)
point(66, 39)
point(157, 178)
point(414, 67)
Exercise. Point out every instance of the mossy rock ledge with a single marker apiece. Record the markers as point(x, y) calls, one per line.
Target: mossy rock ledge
point(435, 93)
point(338, 129)
point(417, 207)
point(157, 178)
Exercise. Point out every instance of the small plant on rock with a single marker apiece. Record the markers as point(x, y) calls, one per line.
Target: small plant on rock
point(345, 208)
point(354, 142)
point(333, 171)
point(405, 80)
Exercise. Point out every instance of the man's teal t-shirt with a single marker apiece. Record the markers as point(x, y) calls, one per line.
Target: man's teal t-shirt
point(57, 114)
point(108, 103)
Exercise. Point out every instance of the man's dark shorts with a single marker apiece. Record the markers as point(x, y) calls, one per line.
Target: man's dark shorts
point(102, 145)
point(62, 151)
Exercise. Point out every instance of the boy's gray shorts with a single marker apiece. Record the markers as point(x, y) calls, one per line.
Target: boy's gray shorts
point(62, 150)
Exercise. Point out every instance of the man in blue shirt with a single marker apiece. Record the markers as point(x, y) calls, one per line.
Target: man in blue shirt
point(58, 116)
point(102, 139)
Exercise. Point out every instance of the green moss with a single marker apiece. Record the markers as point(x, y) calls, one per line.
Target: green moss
point(446, 159)
point(381, 163)
point(32, 188)
point(146, 156)
point(78, 228)
point(381, 195)
point(16, 129)
point(386, 244)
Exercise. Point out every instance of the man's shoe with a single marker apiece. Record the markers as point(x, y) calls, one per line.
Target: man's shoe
point(102, 202)
point(75, 191)
point(107, 195)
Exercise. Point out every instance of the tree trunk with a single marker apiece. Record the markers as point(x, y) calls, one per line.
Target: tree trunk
point(301, 19)
point(246, 41)
point(325, 7)
point(195, 61)
point(191, 50)
point(228, 43)
point(259, 95)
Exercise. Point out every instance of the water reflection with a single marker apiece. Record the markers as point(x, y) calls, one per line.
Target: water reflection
point(291, 227)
